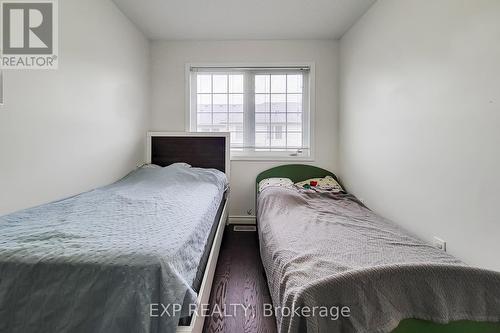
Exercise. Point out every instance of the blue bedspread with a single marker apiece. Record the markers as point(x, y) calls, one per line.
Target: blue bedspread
point(95, 262)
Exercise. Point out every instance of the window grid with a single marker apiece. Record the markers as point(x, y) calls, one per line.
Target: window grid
point(215, 125)
point(270, 132)
point(245, 128)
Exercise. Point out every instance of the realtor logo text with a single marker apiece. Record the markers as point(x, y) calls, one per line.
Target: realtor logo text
point(232, 310)
point(29, 32)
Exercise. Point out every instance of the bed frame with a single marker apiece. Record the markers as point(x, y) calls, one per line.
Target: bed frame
point(203, 150)
point(299, 173)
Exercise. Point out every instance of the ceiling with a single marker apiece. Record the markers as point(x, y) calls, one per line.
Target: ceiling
point(244, 19)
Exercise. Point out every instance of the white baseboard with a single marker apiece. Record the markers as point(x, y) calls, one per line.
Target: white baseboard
point(242, 220)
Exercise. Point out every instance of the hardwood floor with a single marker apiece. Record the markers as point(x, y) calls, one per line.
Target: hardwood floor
point(239, 279)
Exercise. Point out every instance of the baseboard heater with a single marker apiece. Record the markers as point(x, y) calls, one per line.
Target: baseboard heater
point(244, 228)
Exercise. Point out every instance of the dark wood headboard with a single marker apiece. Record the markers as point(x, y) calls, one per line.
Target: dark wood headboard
point(202, 150)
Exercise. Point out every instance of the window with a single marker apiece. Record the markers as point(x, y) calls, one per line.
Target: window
point(266, 110)
point(219, 105)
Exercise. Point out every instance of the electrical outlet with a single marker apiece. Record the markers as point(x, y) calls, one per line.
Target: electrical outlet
point(439, 243)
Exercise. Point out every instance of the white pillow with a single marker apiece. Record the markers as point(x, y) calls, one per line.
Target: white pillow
point(275, 182)
point(150, 166)
point(180, 165)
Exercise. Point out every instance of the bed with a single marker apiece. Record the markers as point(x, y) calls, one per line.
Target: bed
point(327, 249)
point(133, 256)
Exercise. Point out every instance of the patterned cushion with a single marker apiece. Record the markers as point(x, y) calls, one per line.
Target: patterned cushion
point(327, 183)
point(268, 182)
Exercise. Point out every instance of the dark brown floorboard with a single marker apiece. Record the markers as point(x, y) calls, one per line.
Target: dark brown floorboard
point(239, 279)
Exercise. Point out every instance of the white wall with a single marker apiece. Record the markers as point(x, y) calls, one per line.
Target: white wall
point(419, 119)
point(82, 126)
point(168, 102)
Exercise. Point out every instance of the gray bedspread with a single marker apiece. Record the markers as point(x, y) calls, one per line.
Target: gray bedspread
point(328, 250)
point(95, 262)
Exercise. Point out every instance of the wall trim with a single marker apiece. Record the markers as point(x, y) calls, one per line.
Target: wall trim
point(242, 220)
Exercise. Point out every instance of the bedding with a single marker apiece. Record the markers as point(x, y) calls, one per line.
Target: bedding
point(186, 316)
point(96, 262)
point(326, 249)
point(326, 183)
point(274, 182)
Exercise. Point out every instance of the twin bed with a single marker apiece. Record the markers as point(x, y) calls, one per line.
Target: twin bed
point(322, 248)
point(134, 256)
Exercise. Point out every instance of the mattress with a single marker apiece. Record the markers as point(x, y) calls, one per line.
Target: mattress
point(98, 261)
point(185, 320)
point(325, 251)
point(200, 272)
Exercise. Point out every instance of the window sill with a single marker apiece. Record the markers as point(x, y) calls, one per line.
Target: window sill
point(272, 158)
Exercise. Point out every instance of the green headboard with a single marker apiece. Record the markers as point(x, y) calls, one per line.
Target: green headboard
point(296, 172)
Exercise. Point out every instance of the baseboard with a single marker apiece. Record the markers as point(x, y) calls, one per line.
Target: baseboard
point(242, 220)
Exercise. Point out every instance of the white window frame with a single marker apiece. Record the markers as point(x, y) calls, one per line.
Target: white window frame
point(309, 99)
